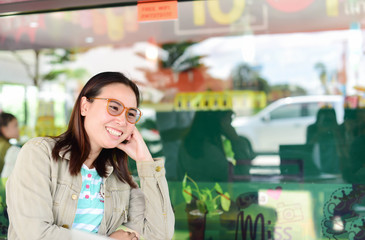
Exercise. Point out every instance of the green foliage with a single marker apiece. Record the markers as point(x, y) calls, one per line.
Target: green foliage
point(175, 50)
point(207, 200)
point(248, 77)
point(177, 59)
point(58, 58)
point(292, 90)
point(69, 73)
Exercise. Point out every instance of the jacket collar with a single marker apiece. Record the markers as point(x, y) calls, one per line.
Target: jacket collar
point(67, 156)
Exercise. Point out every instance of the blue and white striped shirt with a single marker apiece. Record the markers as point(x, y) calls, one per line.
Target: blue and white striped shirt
point(90, 206)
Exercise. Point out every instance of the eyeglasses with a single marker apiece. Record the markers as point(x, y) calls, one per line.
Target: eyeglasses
point(116, 108)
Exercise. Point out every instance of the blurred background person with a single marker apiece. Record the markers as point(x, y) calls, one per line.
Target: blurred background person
point(8, 152)
point(202, 154)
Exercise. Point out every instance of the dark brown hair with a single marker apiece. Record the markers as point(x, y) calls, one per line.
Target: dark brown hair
point(76, 141)
point(5, 118)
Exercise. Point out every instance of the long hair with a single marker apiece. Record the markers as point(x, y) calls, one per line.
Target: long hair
point(76, 141)
point(5, 118)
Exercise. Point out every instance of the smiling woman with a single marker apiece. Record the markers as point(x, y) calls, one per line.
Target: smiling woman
point(83, 173)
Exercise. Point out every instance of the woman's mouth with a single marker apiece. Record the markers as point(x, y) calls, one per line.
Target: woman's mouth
point(114, 132)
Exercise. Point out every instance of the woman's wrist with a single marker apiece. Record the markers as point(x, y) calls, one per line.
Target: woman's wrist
point(151, 168)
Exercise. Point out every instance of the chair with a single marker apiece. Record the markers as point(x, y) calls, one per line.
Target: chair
point(299, 152)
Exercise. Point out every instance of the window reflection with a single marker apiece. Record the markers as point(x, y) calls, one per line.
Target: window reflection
point(233, 92)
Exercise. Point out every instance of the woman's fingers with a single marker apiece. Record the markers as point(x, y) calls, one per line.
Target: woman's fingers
point(124, 235)
point(133, 236)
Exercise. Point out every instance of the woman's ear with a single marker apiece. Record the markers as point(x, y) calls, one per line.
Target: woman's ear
point(84, 106)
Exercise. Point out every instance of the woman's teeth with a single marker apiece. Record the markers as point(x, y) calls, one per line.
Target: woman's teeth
point(114, 132)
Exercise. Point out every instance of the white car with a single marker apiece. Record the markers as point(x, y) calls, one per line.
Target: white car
point(285, 121)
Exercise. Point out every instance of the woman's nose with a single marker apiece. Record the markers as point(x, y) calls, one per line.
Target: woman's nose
point(121, 119)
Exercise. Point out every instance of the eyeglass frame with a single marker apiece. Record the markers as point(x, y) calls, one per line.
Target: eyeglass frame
point(124, 108)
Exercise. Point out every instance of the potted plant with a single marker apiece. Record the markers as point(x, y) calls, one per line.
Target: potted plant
point(202, 203)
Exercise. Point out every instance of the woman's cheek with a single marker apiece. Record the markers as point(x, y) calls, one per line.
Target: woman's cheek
point(130, 130)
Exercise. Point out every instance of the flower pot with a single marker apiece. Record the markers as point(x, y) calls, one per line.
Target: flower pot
point(196, 224)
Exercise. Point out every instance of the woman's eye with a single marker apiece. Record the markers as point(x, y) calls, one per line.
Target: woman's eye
point(114, 107)
point(131, 114)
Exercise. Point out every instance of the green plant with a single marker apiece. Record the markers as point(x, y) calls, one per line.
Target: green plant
point(178, 59)
point(207, 200)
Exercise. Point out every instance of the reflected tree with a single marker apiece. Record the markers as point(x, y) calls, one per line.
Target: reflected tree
point(246, 77)
point(58, 59)
point(287, 90)
point(175, 58)
point(322, 73)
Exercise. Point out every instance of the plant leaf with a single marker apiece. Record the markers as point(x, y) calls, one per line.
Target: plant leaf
point(187, 194)
point(201, 206)
point(226, 201)
point(203, 196)
point(218, 188)
point(211, 205)
point(184, 180)
point(206, 192)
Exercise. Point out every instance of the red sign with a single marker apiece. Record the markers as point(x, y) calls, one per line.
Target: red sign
point(157, 10)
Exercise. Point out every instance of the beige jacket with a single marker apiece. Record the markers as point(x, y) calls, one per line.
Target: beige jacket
point(42, 198)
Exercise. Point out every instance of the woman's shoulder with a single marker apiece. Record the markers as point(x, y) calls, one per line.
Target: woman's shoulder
point(40, 141)
point(34, 154)
point(44, 144)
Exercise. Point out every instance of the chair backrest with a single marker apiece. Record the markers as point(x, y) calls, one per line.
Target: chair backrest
point(233, 176)
point(302, 152)
point(294, 167)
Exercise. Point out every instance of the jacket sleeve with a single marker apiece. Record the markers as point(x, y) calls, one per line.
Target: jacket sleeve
point(150, 210)
point(28, 195)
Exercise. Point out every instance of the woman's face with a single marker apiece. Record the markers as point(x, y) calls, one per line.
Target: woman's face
point(11, 130)
point(103, 129)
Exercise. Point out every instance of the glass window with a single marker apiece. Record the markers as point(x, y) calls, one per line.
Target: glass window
point(264, 97)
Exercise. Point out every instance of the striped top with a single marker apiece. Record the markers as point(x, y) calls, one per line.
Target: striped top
point(90, 206)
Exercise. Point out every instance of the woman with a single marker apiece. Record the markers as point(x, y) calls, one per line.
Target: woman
point(8, 129)
point(203, 146)
point(80, 179)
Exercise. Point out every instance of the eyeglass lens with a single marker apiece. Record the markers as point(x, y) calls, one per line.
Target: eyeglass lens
point(115, 108)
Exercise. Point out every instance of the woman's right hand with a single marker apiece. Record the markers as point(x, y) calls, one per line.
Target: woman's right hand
point(124, 235)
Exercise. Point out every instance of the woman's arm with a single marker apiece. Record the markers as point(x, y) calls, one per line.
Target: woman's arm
point(150, 208)
point(28, 195)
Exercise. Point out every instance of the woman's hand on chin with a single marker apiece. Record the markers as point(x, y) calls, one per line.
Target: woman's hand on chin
point(135, 147)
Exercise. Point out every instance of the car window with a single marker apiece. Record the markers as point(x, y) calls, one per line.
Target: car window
point(311, 109)
point(287, 111)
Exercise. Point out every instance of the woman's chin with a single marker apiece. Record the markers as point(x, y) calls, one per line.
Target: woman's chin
point(111, 145)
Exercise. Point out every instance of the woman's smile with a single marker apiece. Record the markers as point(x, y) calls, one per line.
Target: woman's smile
point(114, 132)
